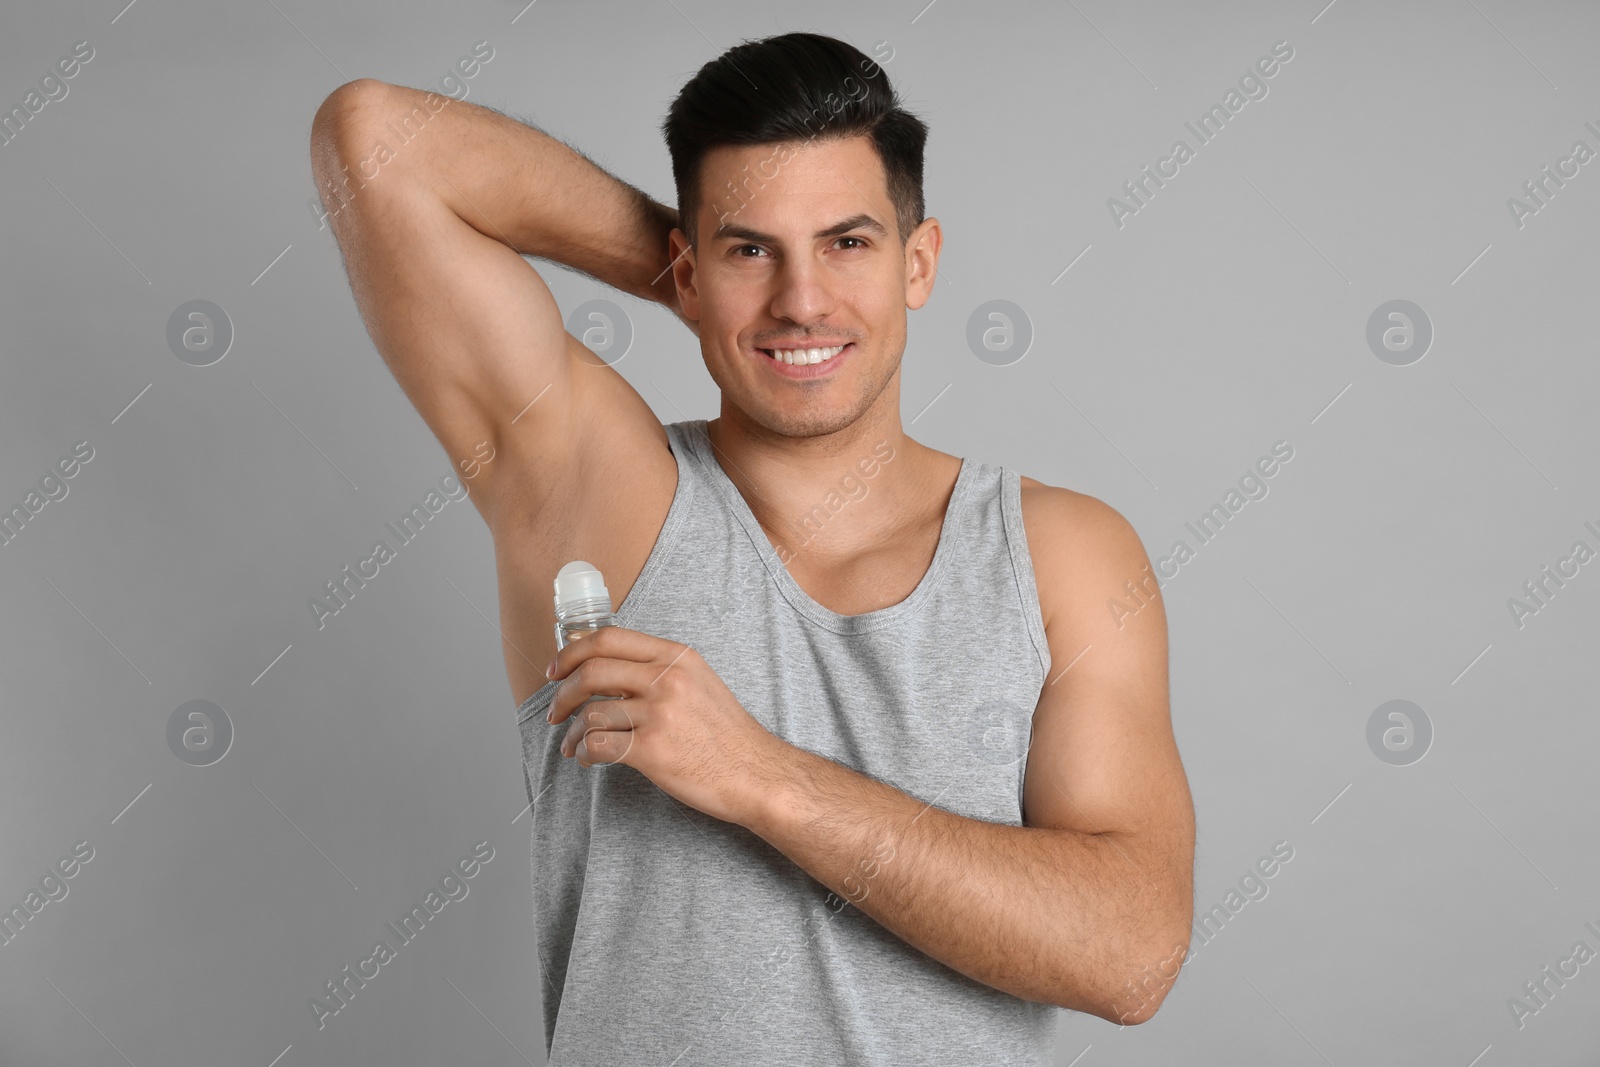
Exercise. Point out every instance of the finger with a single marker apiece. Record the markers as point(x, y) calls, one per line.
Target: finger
point(598, 676)
point(604, 746)
point(597, 715)
point(613, 642)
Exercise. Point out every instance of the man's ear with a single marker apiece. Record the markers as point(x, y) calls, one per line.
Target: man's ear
point(922, 261)
point(683, 264)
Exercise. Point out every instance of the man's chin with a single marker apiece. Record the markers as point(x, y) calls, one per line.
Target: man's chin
point(807, 422)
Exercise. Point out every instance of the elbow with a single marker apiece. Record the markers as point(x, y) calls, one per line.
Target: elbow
point(1140, 989)
point(1141, 1012)
point(341, 112)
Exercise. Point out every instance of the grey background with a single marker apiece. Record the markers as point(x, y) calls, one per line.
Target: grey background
point(1228, 314)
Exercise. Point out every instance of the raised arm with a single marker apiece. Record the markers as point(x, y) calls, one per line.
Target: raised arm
point(433, 202)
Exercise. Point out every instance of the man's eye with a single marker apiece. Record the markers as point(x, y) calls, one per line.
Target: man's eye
point(859, 242)
point(739, 251)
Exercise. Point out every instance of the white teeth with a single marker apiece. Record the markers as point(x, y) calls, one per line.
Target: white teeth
point(806, 355)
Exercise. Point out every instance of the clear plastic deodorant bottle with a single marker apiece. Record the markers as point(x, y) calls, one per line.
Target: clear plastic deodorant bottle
point(583, 605)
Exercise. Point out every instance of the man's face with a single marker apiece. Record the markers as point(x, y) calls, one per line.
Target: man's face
point(801, 252)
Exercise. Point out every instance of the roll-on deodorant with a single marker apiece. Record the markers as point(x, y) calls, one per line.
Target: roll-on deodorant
point(583, 605)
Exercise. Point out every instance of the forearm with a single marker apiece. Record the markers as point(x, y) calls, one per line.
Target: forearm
point(509, 181)
point(1054, 916)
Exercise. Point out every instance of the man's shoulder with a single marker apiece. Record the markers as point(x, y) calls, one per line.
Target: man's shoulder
point(1065, 512)
point(1077, 543)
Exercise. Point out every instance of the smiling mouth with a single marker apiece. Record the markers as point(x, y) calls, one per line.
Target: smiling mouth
point(803, 356)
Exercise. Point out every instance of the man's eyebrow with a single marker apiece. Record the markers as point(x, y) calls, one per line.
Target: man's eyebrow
point(844, 226)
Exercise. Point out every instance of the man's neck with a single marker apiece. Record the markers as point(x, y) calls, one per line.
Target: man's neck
point(840, 494)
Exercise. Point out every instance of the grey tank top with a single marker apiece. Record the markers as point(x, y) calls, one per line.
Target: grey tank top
point(666, 936)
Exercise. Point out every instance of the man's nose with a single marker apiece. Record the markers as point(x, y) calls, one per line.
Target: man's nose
point(804, 293)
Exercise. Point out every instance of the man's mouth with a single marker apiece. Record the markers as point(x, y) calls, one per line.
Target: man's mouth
point(804, 356)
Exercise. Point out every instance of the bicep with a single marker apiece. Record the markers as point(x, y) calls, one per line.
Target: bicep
point(1103, 757)
point(468, 328)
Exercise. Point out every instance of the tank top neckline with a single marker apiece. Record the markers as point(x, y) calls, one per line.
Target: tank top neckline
point(699, 441)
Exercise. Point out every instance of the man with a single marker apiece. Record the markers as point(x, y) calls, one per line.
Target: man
point(918, 787)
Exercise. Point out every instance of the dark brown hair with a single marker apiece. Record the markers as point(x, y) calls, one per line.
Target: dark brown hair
point(794, 87)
